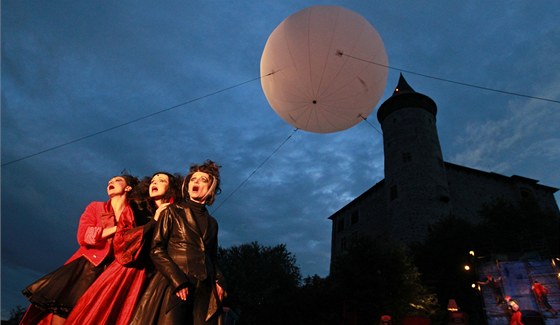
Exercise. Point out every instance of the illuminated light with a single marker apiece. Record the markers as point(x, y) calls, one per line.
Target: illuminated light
point(452, 305)
point(467, 268)
point(471, 253)
point(473, 286)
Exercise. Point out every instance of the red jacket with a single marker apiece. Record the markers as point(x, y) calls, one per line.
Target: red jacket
point(92, 246)
point(539, 289)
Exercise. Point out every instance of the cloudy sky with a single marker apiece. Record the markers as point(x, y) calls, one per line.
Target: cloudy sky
point(92, 88)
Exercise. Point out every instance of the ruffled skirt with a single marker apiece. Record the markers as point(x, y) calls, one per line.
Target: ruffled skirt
point(58, 291)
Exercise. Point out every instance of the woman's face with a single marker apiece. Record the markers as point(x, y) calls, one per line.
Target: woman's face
point(199, 185)
point(159, 185)
point(117, 186)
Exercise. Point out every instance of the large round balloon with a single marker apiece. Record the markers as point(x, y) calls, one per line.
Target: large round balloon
point(323, 69)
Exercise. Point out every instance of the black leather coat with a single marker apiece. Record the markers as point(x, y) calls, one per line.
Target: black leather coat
point(184, 255)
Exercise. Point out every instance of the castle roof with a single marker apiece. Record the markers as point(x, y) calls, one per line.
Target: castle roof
point(404, 96)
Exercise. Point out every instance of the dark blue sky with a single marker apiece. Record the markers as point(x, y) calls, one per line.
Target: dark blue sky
point(73, 70)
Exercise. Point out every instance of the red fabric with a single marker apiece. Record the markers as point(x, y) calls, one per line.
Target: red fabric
point(128, 242)
point(516, 318)
point(97, 250)
point(539, 289)
point(112, 297)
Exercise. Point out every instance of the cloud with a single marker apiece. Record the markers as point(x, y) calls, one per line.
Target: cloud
point(146, 87)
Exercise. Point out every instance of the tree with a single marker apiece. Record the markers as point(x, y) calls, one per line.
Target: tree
point(508, 228)
point(441, 258)
point(261, 282)
point(377, 277)
point(15, 316)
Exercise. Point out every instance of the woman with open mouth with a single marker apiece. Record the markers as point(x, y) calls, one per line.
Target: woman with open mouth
point(112, 297)
point(53, 296)
point(187, 287)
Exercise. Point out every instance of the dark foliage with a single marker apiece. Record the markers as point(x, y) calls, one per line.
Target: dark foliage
point(375, 278)
point(262, 283)
point(15, 316)
point(518, 229)
point(441, 259)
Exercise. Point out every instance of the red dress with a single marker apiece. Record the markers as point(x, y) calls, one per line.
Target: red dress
point(112, 297)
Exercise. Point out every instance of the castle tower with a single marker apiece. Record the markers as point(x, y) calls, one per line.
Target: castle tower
point(415, 178)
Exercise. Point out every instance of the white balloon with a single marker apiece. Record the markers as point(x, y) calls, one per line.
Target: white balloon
point(324, 69)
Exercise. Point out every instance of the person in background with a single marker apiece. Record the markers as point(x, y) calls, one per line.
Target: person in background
point(53, 296)
point(496, 285)
point(385, 320)
point(541, 293)
point(516, 316)
point(187, 287)
point(112, 297)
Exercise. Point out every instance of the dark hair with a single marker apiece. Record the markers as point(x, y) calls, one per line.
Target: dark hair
point(173, 193)
point(130, 180)
point(209, 167)
point(141, 193)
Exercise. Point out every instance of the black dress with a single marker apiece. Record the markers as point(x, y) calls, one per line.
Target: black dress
point(58, 291)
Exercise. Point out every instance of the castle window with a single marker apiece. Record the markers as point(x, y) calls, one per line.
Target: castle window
point(343, 244)
point(340, 225)
point(355, 217)
point(406, 157)
point(393, 193)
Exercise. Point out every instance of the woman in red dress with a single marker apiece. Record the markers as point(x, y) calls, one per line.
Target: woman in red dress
point(112, 297)
point(53, 296)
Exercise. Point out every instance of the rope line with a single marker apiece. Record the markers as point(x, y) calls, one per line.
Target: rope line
point(366, 120)
point(254, 171)
point(453, 81)
point(129, 122)
point(257, 78)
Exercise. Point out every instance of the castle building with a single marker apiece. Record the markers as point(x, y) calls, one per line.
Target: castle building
point(419, 187)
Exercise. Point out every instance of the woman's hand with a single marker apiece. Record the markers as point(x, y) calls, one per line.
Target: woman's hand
point(183, 293)
point(220, 291)
point(108, 232)
point(159, 209)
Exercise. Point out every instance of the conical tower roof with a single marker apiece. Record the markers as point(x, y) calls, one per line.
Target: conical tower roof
point(404, 96)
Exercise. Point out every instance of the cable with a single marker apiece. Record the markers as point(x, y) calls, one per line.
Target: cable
point(453, 81)
point(254, 171)
point(366, 120)
point(257, 78)
point(128, 123)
